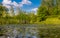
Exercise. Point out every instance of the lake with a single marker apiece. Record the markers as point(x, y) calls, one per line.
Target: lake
point(21, 31)
point(30, 31)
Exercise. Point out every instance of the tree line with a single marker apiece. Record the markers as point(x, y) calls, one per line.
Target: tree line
point(47, 8)
point(8, 16)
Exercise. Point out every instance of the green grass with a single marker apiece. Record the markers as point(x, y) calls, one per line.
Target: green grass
point(52, 20)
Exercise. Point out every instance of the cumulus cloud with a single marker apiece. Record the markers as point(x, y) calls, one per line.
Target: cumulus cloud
point(34, 9)
point(7, 3)
point(14, 3)
point(26, 2)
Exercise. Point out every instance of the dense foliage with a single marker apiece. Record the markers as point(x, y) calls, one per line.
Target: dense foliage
point(47, 9)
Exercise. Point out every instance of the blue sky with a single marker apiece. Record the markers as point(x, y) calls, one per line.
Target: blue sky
point(35, 4)
point(26, 5)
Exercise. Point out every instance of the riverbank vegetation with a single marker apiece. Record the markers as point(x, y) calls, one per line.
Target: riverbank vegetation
point(48, 13)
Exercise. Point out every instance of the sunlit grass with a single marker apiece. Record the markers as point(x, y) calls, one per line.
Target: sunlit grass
point(52, 20)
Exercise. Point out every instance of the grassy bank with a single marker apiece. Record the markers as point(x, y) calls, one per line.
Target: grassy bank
point(52, 20)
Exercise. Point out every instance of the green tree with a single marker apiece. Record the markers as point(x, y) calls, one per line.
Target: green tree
point(42, 13)
point(12, 11)
point(3, 11)
point(33, 17)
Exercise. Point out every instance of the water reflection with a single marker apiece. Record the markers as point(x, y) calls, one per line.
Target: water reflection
point(21, 32)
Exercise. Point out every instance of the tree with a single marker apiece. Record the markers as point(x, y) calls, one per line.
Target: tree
point(33, 17)
point(42, 13)
point(12, 11)
point(48, 8)
point(58, 6)
point(3, 11)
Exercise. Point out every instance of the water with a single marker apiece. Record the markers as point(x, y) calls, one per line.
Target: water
point(21, 31)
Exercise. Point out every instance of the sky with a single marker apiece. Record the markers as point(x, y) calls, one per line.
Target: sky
point(26, 5)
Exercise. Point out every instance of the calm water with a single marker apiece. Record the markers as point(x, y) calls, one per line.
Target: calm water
point(21, 31)
point(30, 31)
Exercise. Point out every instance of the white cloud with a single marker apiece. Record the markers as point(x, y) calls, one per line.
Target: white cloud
point(7, 6)
point(14, 3)
point(34, 9)
point(26, 2)
point(7, 3)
